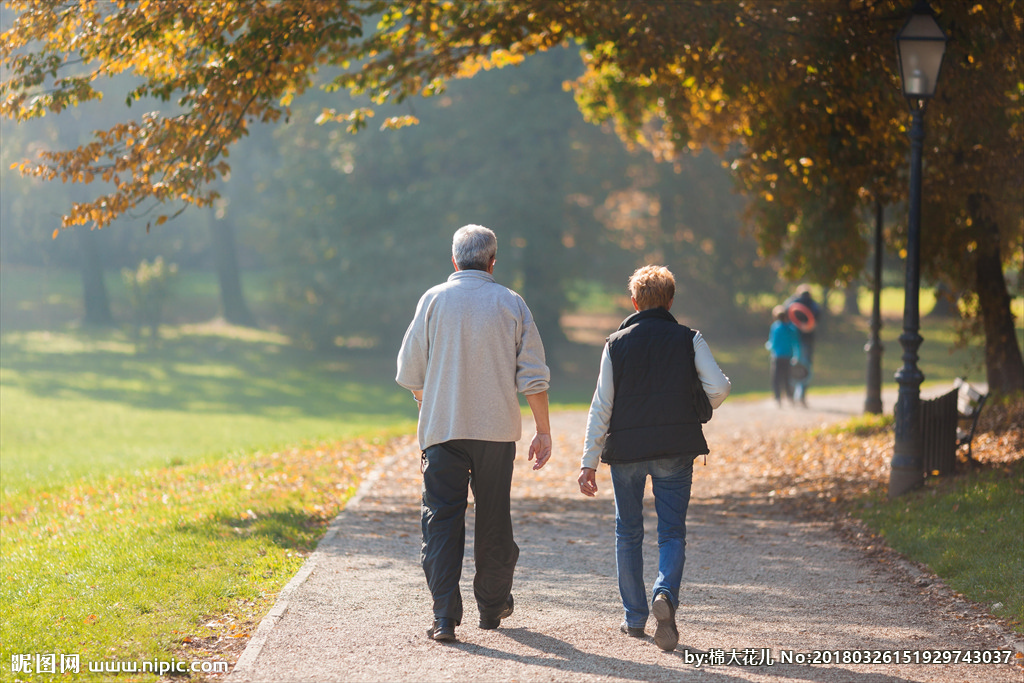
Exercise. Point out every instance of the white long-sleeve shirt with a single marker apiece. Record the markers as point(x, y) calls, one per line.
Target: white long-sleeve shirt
point(716, 385)
point(471, 347)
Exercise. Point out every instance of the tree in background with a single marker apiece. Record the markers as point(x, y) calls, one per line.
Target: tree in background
point(358, 226)
point(149, 287)
point(808, 93)
point(225, 255)
point(812, 94)
point(30, 212)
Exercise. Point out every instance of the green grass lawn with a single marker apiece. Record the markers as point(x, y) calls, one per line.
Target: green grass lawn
point(77, 405)
point(218, 458)
point(966, 529)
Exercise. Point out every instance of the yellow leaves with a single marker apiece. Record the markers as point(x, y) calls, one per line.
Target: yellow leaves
point(496, 60)
point(396, 122)
point(332, 115)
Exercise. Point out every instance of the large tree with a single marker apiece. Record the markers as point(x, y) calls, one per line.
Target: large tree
point(811, 93)
point(805, 94)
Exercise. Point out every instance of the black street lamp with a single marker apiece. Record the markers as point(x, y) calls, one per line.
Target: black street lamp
point(920, 46)
point(873, 401)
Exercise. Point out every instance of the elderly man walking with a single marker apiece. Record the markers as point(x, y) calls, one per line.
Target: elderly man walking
point(644, 422)
point(471, 348)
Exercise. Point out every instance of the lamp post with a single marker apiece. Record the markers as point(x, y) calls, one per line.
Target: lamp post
point(920, 46)
point(873, 401)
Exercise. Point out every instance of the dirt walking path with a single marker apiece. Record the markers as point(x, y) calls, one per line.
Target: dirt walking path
point(765, 596)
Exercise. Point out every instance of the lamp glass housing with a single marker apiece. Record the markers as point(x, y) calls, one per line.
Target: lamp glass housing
point(920, 46)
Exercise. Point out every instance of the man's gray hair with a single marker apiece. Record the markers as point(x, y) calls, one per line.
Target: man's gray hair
point(473, 247)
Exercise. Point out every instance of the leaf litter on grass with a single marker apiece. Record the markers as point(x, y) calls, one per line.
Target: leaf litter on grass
point(262, 512)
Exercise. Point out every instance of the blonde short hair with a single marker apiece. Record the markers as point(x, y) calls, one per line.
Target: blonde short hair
point(652, 286)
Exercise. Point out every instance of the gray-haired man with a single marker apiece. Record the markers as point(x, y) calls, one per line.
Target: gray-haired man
point(471, 348)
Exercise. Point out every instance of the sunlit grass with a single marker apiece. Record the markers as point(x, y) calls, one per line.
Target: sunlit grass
point(966, 529)
point(862, 425)
point(155, 563)
point(76, 405)
point(154, 501)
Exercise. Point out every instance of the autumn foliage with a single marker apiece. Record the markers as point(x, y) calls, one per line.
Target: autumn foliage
point(802, 98)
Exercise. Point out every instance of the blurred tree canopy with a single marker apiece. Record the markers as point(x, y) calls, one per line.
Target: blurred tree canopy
point(803, 96)
point(358, 226)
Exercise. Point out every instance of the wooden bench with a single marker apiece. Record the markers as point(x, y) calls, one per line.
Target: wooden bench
point(948, 423)
point(969, 403)
point(938, 434)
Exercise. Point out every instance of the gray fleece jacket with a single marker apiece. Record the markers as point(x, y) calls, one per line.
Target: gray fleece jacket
point(471, 347)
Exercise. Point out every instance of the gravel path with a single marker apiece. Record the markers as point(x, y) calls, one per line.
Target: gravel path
point(757, 583)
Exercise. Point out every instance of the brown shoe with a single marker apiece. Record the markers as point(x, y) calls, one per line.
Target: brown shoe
point(666, 636)
point(632, 631)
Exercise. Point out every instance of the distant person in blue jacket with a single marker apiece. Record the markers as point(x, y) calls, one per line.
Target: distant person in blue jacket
point(784, 345)
point(805, 313)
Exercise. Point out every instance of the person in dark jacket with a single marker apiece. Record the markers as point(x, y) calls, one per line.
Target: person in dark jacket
point(643, 423)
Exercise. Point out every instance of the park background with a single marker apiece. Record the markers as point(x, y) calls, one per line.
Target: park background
point(160, 488)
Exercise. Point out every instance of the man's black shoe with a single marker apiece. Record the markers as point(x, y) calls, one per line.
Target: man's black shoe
point(443, 630)
point(495, 622)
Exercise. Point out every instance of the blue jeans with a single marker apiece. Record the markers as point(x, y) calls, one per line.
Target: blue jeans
point(671, 479)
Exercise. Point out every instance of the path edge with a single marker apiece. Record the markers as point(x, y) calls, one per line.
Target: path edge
point(246, 664)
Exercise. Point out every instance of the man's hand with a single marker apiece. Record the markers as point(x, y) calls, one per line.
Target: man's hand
point(588, 482)
point(540, 450)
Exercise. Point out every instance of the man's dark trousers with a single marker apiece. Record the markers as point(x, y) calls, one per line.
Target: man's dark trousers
point(449, 469)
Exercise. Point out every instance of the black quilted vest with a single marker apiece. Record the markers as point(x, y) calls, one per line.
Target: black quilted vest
point(652, 415)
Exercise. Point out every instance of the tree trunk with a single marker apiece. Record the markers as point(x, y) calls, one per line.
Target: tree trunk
point(850, 304)
point(225, 256)
point(542, 289)
point(945, 304)
point(1004, 366)
point(95, 301)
